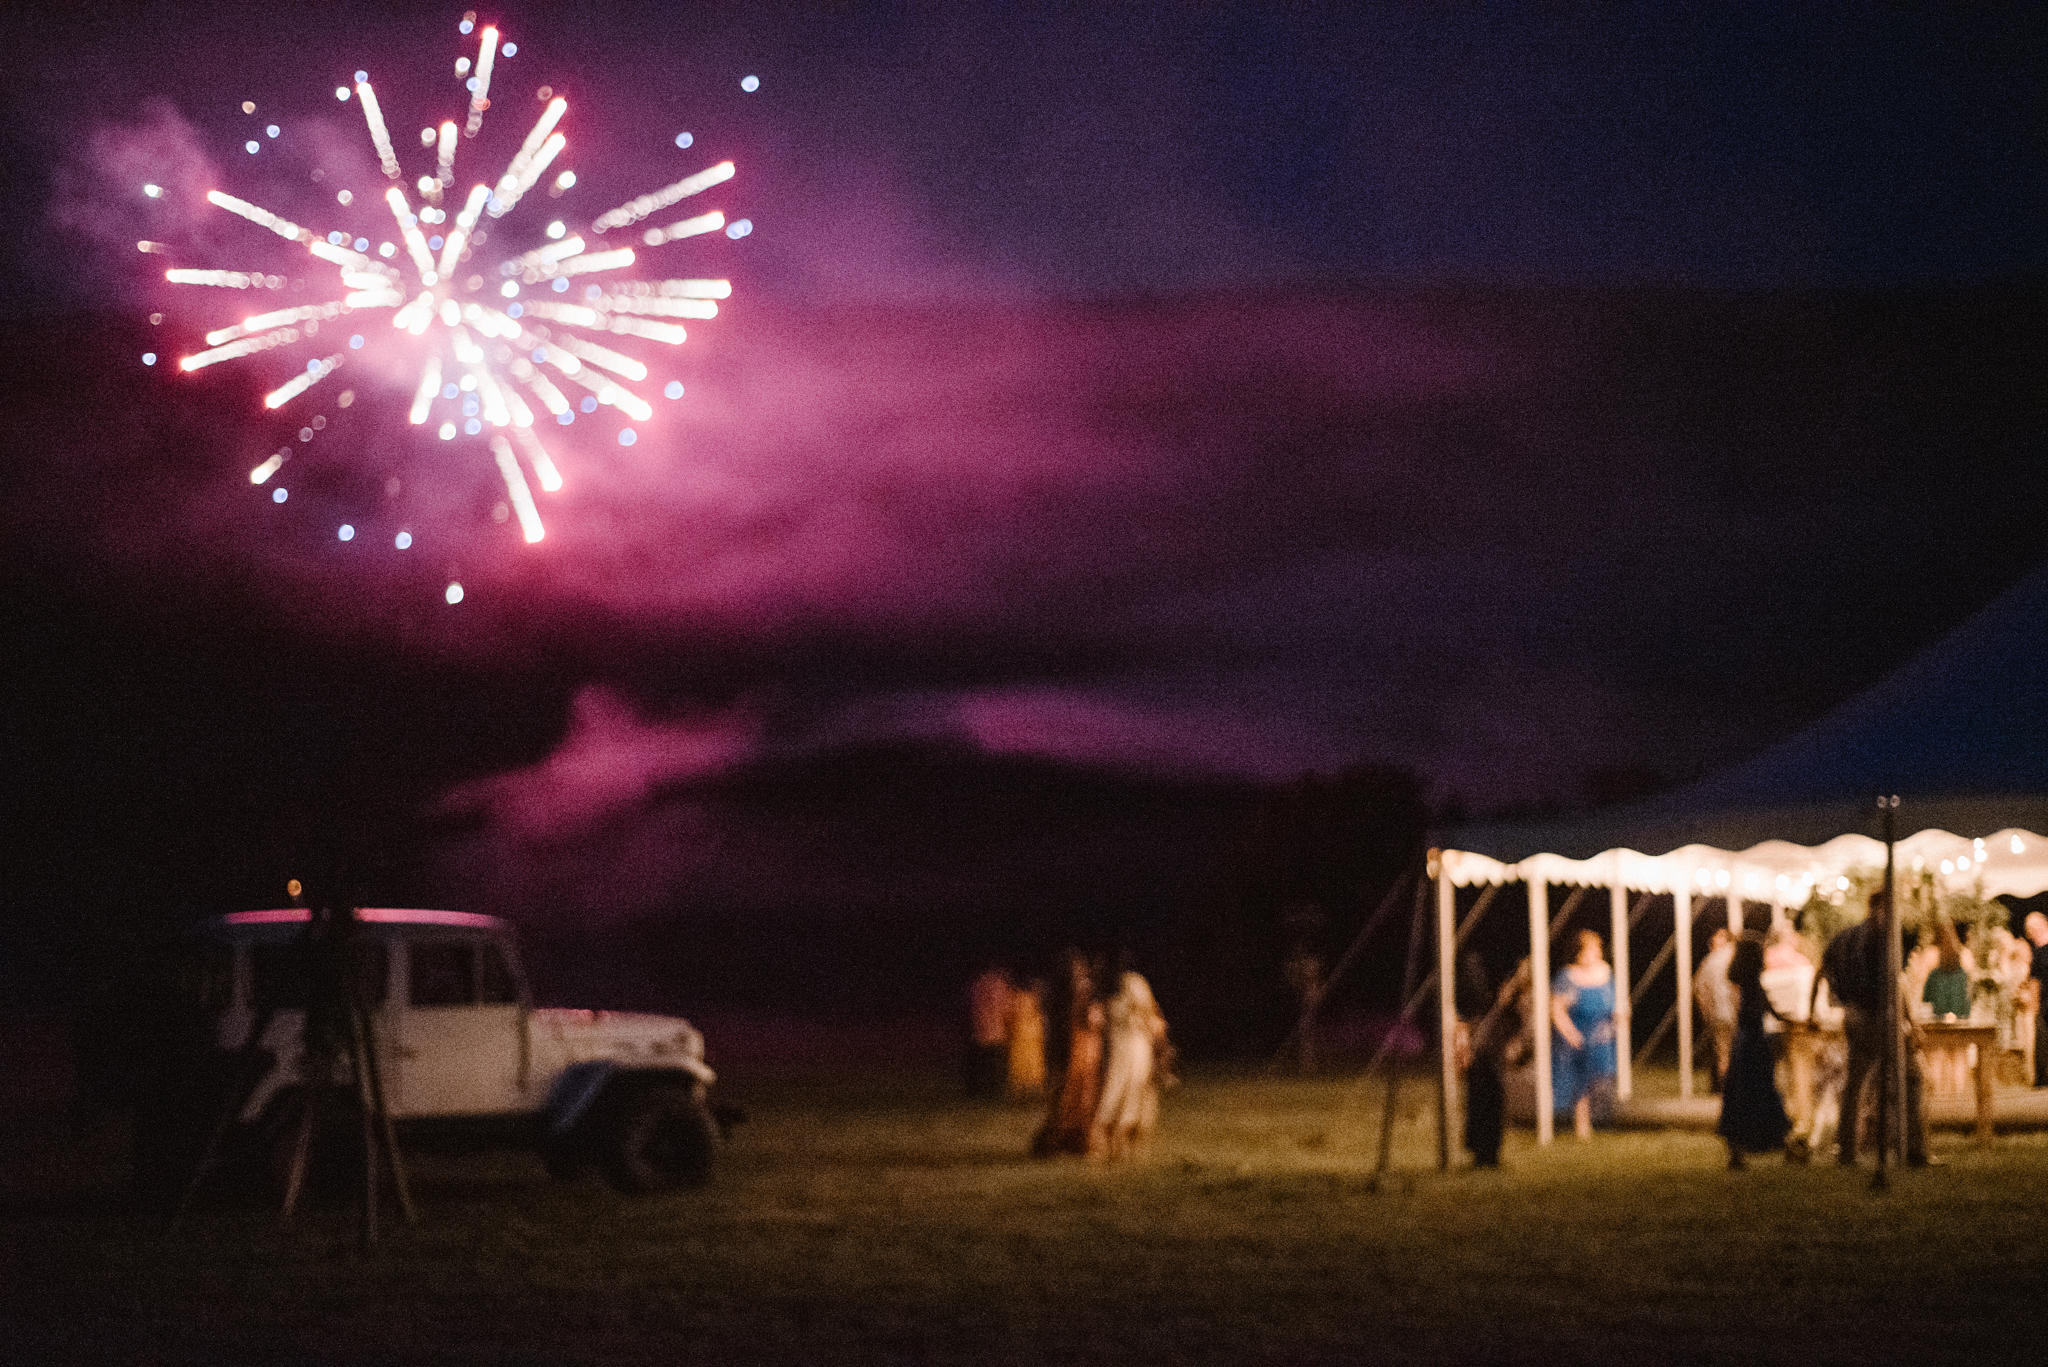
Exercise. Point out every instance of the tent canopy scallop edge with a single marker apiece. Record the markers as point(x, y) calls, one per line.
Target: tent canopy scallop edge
point(2010, 862)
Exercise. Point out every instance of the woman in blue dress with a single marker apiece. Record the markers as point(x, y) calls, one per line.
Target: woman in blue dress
point(1753, 1118)
point(1582, 1042)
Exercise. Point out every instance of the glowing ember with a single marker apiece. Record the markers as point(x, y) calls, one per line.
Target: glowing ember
point(477, 353)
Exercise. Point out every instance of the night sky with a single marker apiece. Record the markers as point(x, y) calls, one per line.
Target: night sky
point(1194, 395)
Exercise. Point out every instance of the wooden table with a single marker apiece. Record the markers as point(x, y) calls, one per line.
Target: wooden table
point(1957, 1035)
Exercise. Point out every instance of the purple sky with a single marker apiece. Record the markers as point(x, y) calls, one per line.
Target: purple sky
point(1223, 389)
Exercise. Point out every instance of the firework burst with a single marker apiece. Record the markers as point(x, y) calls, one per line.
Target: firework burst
point(497, 339)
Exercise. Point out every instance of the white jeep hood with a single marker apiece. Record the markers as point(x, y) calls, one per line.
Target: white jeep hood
point(628, 1038)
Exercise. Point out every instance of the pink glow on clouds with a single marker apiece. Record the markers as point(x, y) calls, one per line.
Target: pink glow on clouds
point(607, 765)
point(886, 462)
point(1098, 730)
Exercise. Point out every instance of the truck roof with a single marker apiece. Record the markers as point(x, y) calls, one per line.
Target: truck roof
point(388, 916)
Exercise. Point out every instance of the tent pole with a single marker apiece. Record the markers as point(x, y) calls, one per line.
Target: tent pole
point(1681, 907)
point(1447, 1004)
point(1539, 985)
point(1617, 911)
point(1734, 907)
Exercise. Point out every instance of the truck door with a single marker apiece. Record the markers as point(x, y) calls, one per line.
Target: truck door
point(462, 1044)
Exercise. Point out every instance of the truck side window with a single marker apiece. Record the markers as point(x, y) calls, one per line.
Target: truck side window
point(279, 972)
point(442, 972)
point(493, 977)
point(278, 975)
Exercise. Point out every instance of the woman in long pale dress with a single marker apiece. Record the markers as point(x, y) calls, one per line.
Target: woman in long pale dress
point(1072, 1116)
point(1129, 1108)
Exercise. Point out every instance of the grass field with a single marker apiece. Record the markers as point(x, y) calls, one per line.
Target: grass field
point(886, 1222)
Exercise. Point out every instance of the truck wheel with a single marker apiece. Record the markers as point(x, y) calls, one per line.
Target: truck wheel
point(660, 1137)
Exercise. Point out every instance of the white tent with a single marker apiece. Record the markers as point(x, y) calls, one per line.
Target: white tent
point(1961, 733)
point(2008, 862)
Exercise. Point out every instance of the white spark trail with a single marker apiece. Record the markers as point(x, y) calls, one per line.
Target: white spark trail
point(522, 415)
point(658, 308)
point(409, 229)
point(349, 260)
point(248, 346)
point(627, 214)
point(291, 389)
point(574, 314)
point(609, 394)
point(587, 263)
point(379, 134)
point(444, 167)
point(429, 390)
point(262, 217)
point(543, 388)
point(541, 261)
point(458, 237)
point(496, 412)
point(509, 190)
point(689, 227)
point(602, 357)
point(263, 321)
point(234, 280)
point(481, 99)
point(671, 333)
point(516, 490)
point(543, 467)
point(416, 316)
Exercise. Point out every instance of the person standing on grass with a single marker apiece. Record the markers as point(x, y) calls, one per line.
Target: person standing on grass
point(1854, 966)
point(1482, 1050)
point(988, 1020)
point(1129, 1109)
point(1753, 1118)
point(1072, 1116)
point(1027, 1042)
point(1582, 1014)
point(1716, 999)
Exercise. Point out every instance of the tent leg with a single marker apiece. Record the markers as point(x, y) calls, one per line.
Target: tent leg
point(1617, 910)
point(1681, 907)
point(1539, 986)
point(1447, 1009)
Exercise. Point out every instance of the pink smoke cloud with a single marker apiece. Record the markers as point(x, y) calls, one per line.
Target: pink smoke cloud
point(607, 764)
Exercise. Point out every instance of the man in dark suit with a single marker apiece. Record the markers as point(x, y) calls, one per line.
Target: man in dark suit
point(2037, 935)
point(1854, 967)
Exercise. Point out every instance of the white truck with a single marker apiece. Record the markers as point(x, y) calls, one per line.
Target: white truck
point(459, 1045)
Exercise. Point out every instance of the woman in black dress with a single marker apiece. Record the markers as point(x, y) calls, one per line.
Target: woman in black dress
point(1753, 1118)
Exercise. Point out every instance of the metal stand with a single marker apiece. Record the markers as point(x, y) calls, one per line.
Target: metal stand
point(338, 1028)
point(1891, 1075)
